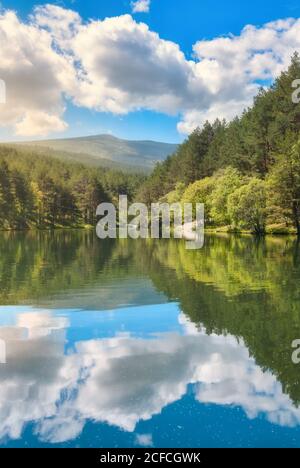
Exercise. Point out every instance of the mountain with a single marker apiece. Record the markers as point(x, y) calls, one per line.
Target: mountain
point(105, 151)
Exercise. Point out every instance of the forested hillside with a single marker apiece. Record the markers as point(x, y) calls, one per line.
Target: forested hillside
point(247, 172)
point(37, 191)
point(105, 151)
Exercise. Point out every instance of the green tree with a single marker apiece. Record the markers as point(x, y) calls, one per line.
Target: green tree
point(175, 195)
point(88, 193)
point(200, 192)
point(22, 200)
point(6, 199)
point(247, 206)
point(226, 182)
point(284, 185)
point(46, 201)
point(193, 153)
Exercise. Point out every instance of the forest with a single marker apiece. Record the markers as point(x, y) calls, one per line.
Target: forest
point(247, 171)
point(41, 192)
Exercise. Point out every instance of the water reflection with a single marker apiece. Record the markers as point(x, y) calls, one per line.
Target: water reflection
point(121, 341)
point(123, 379)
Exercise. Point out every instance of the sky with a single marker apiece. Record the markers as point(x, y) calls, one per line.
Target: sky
point(137, 69)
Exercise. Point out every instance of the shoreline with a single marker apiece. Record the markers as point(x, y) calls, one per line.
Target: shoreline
point(270, 231)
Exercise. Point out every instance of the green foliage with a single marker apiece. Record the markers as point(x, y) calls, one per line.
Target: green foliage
point(200, 192)
point(41, 192)
point(230, 198)
point(247, 206)
point(284, 185)
point(175, 195)
point(186, 165)
point(226, 182)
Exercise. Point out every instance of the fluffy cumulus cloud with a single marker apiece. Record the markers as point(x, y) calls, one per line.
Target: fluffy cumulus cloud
point(122, 380)
point(119, 65)
point(36, 77)
point(140, 6)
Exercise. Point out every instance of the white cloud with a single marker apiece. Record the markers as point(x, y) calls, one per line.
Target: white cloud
point(36, 77)
point(140, 6)
point(126, 67)
point(60, 22)
point(129, 67)
point(119, 65)
point(37, 122)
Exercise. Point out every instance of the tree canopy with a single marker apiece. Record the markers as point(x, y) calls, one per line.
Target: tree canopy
point(43, 192)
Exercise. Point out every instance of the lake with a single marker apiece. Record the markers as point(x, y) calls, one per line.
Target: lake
point(142, 343)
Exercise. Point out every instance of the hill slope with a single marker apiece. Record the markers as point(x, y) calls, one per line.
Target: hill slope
point(106, 150)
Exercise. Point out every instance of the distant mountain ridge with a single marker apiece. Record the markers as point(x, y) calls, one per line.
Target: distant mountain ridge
point(106, 150)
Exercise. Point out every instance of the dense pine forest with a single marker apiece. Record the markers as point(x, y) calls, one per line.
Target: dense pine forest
point(247, 172)
point(41, 192)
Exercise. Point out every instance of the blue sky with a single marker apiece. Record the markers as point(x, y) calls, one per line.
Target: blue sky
point(184, 23)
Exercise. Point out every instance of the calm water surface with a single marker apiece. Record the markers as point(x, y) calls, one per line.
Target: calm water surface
point(143, 343)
